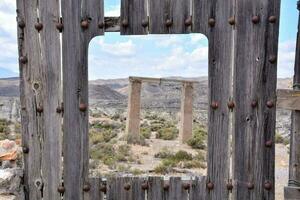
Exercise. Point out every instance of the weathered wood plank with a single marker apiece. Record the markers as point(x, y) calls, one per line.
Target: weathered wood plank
point(95, 193)
point(159, 13)
point(138, 192)
point(112, 190)
point(292, 193)
point(156, 190)
point(134, 13)
point(176, 190)
point(202, 11)
point(288, 99)
point(180, 15)
point(255, 95)
point(198, 189)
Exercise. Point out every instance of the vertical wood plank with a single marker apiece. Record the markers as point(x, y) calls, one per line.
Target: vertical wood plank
point(176, 191)
point(179, 13)
point(198, 189)
point(255, 96)
point(112, 188)
point(138, 193)
point(201, 13)
point(156, 189)
point(159, 13)
point(134, 12)
point(95, 193)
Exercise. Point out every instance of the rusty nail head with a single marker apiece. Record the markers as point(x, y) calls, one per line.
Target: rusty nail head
point(250, 185)
point(23, 59)
point(210, 186)
point(214, 105)
point(59, 26)
point(86, 187)
point(125, 23)
point(188, 21)
point(268, 185)
point(145, 186)
point(254, 103)
point(61, 189)
point(145, 23)
point(270, 104)
point(272, 19)
point(127, 186)
point(231, 104)
point(186, 186)
point(229, 185)
point(231, 21)
point(103, 188)
point(38, 26)
point(211, 22)
point(82, 107)
point(21, 24)
point(169, 22)
point(39, 109)
point(166, 186)
point(269, 143)
point(272, 59)
point(255, 19)
point(101, 25)
point(58, 109)
point(84, 24)
point(25, 150)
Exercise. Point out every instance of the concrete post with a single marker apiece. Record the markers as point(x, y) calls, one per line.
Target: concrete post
point(134, 106)
point(186, 118)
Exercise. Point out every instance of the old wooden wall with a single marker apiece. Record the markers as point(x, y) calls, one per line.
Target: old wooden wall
point(243, 41)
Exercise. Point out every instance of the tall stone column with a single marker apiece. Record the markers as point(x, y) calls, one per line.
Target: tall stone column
point(134, 106)
point(186, 118)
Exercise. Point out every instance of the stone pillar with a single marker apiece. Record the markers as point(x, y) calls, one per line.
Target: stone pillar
point(186, 118)
point(134, 106)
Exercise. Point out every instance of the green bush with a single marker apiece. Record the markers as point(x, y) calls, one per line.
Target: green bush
point(199, 138)
point(279, 139)
point(102, 136)
point(169, 133)
point(135, 139)
point(146, 132)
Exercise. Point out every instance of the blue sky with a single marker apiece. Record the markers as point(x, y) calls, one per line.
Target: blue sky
point(114, 56)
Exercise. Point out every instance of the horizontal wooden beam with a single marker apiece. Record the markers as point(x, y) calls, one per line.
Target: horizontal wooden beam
point(291, 193)
point(159, 80)
point(288, 99)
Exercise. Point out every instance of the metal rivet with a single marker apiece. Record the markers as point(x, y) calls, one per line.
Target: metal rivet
point(272, 59)
point(127, 186)
point(255, 19)
point(269, 143)
point(270, 104)
point(21, 24)
point(186, 186)
point(169, 22)
point(125, 23)
point(210, 186)
point(211, 22)
point(231, 104)
point(166, 186)
point(214, 105)
point(145, 186)
point(86, 187)
point(25, 150)
point(59, 26)
point(103, 188)
point(229, 185)
point(101, 25)
point(268, 185)
point(23, 59)
point(39, 109)
point(188, 21)
point(38, 26)
point(231, 21)
point(59, 109)
point(145, 23)
point(61, 189)
point(82, 107)
point(250, 186)
point(85, 24)
point(254, 104)
point(272, 19)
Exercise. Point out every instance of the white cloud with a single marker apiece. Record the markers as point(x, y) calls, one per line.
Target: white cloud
point(286, 58)
point(127, 48)
point(196, 38)
point(113, 11)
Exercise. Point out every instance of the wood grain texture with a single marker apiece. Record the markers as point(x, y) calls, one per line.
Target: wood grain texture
point(156, 190)
point(255, 81)
point(159, 13)
point(179, 13)
point(291, 193)
point(198, 189)
point(95, 193)
point(176, 191)
point(201, 12)
point(75, 69)
point(135, 12)
point(288, 99)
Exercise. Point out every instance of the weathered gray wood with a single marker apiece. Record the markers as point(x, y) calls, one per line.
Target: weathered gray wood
point(288, 99)
point(95, 193)
point(75, 69)
point(291, 193)
point(135, 13)
point(179, 13)
point(138, 192)
point(255, 81)
point(201, 14)
point(198, 189)
point(158, 14)
point(176, 191)
point(156, 190)
point(112, 190)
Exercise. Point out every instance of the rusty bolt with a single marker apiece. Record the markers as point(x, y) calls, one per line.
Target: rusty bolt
point(254, 104)
point(272, 59)
point(255, 19)
point(23, 59)
point(272, 19)
point(61, 189)
point(59, 26)
point(39, 109)
point(125, 23)
point(269, 143)
point(231, 21)
point(211, 22)
point(229, 186)
point(166, 186)
point(21, 24)
point(270, 104)
point(210, 186)
point(82, 107)
point(145, 186)
point(145, 23)
point(186, 186)
point(268, 185)
point(84, 24)
point(25, 150)
point(214, 105)
point(38, 26)
point(188, 21)
point(169, 22)
point(250, 186)
point(231, 104)
point(127, 186)
point(59, 109)
point(103, 188)
point(101, 25)
point(86, 187)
